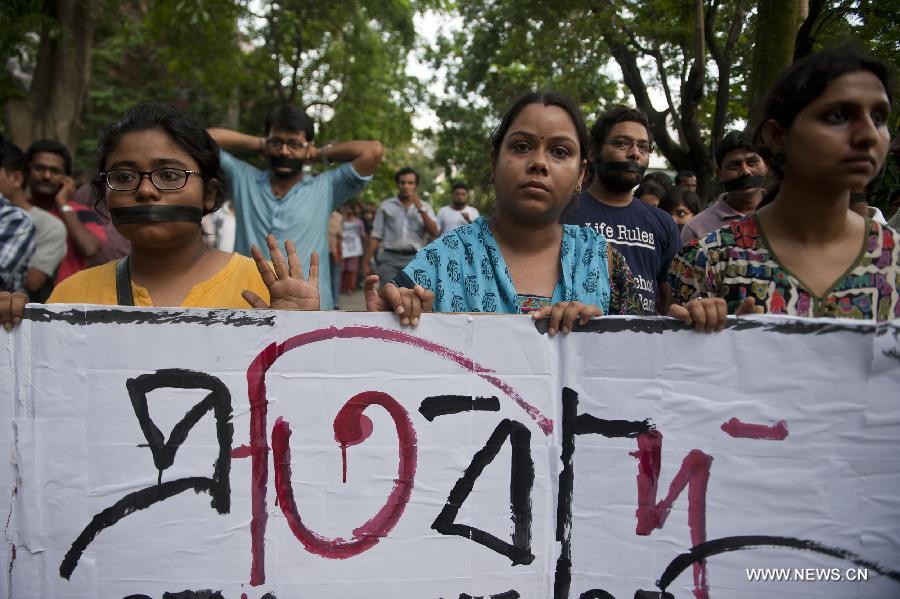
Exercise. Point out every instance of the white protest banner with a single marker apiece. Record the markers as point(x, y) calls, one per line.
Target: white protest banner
point(206, 454)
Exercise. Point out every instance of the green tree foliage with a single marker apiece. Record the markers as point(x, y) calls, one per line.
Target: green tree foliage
point(580, 48)
point(504, 50)
point(183, 53)
point(344, 62)
point(49, 43)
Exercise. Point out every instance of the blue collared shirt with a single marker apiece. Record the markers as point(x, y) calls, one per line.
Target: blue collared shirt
point(301, 215)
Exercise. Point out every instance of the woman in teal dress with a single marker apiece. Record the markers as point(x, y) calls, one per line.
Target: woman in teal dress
point(521, 260)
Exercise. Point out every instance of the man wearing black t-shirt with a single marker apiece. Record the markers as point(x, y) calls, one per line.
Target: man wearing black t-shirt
point(621, 143)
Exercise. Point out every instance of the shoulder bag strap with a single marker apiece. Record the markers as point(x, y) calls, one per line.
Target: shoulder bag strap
point(123, 283)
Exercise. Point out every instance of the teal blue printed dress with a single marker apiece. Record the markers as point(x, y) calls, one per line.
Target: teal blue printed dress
point(467, 273)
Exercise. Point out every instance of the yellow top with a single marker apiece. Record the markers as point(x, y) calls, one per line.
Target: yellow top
point(223, 290)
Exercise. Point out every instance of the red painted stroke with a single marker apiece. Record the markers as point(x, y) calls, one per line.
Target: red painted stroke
point(349, 429)
point(380, 334)
point(745, 430)
point(241, 452)
point(352, 433)
point(693, 473)
point(259, 449)
point(256, 389)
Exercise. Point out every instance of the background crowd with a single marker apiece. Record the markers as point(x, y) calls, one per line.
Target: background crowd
point(578, 226)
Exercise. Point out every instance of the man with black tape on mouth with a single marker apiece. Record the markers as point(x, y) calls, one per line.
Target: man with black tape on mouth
point(621, 143)
point(742, 173)
point(285, 201)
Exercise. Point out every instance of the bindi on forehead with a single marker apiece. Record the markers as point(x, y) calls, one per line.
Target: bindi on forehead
point(540, 137)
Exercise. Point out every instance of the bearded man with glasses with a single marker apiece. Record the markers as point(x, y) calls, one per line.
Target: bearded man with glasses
point(281, 200)
point(621, 144)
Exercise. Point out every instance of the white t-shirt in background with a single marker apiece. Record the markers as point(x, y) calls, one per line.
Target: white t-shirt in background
point(449, 218)
point(221, 226)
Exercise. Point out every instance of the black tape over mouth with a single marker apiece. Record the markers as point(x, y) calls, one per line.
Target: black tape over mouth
point(623, 166)
point(294, 165)
point(155, 214)
point(745, 182)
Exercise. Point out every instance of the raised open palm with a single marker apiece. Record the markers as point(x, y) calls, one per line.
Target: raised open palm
point(288, 288)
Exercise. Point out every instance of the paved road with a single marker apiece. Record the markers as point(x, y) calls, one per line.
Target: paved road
point(353, 303)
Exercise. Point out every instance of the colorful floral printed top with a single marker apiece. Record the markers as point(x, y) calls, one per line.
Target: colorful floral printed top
point(735, 262)
point(467, 273)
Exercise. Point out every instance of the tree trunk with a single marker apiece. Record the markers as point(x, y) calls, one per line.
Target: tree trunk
point(692, 152)
point(776, 31)
point(806, 34)
point(52, 106)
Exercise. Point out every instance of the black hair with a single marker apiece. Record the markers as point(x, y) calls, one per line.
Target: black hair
point(652, 188)
point(547, 98)
point(50, 146)
point(734, 140)
point(459, 185)
point(183, 130)
point(682, 175)
point(290, 118)
point(406, 170)
point(12, 158)
point(678, 197)
point(660, 178)
point(692, 201)
point(804, 81)
point(616, 114)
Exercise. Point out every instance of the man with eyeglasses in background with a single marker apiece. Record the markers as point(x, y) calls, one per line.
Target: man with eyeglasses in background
point(53, 189)
point(281, 200)
point(621, 144)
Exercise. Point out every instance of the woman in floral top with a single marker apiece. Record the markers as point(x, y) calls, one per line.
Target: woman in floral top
point(805, 253)
point(521, 260)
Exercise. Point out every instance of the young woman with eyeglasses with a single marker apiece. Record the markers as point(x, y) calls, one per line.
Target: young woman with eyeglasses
point(159, 175)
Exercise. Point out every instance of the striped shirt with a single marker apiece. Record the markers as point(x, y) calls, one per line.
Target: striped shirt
point(17, 239)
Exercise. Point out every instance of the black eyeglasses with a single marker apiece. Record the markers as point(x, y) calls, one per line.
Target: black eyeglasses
point(164, 179)
point(623, 144)
point(275, 143)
